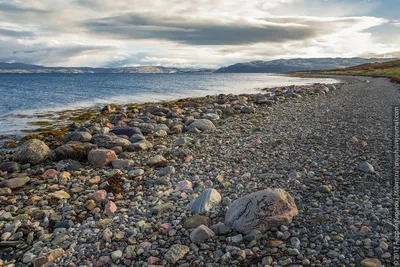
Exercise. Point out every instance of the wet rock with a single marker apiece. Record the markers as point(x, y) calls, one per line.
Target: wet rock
point(261, 210)
point(205, 201)
point(100, 158)
point(33, 151)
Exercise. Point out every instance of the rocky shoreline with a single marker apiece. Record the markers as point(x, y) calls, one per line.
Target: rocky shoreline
point(295, 176)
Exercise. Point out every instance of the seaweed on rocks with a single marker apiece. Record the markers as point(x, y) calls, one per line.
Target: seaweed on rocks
point(115, 184)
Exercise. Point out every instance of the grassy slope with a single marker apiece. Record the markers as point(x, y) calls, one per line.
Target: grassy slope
point(389, 69)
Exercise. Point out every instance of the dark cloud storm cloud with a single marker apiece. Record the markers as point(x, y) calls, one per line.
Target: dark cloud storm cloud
point(201, 32)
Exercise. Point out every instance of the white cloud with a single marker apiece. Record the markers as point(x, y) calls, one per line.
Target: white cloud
point(197, 33)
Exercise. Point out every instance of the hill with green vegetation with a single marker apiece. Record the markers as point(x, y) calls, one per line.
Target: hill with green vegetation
point(390, 69)
point(298, 64)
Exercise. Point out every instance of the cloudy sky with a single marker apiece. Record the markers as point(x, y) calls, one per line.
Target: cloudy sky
point(194, 33)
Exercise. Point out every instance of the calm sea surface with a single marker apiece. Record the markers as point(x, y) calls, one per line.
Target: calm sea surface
point(35, 94)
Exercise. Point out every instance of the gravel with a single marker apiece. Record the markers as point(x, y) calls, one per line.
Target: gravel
point(330, 150)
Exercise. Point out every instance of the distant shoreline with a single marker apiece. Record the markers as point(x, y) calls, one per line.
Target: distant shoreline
point(57, 123)
point(99, 90)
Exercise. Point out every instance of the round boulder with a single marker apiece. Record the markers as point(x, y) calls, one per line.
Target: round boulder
point(202, 125)
point(33, 151)
point(261, 211)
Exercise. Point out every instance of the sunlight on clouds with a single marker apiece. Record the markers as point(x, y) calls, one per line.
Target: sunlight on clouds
point(198, 33)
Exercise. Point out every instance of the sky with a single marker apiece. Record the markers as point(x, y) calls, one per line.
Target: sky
point(194, 33)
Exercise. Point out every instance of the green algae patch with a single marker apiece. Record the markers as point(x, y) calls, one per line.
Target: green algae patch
point(10, 144)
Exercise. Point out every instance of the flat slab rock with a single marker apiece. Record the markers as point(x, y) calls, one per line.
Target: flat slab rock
point(261, 211)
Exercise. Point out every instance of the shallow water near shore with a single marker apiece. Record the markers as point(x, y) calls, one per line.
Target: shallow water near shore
point(26, 98)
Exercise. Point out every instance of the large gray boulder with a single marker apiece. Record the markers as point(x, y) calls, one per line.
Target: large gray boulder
point(261, 211)
point(33, 151)
point(74, 150)
point(202, 125)
point(108, 141)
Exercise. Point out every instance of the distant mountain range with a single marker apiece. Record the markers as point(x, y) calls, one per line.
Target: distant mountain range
point(28, 68)
point(274, 66)
point(297, 64)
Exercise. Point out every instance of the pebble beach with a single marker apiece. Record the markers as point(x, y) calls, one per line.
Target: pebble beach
point(291, 176)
